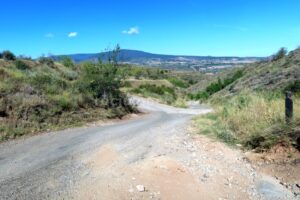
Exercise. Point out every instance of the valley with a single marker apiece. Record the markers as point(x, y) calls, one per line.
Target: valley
point(207, 64)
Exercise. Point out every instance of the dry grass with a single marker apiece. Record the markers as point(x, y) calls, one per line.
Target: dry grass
point(249, 118)
point(137, 83)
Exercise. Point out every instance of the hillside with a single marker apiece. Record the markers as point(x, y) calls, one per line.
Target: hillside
point(40, 95)
point(266, 75)
point(249, 104)
point(272, 75)
point(43, 95)
point(177, 62)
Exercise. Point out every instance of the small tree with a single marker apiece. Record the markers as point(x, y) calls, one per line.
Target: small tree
point(67, 61)
point(280, 54)
point(113, 55)
point(7, 55)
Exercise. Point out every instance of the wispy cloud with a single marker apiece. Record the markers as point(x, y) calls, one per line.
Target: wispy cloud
point(49, 35)
point(237, 28)
point(72, 34)
point(132, 31)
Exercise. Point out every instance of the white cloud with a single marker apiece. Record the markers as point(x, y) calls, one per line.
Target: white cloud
point(72, 34)
point(49, 35)
point(132, 31)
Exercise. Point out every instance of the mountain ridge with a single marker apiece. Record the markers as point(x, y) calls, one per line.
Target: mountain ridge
point(185, 62)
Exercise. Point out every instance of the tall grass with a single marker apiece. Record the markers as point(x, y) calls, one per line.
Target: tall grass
point(251, 119)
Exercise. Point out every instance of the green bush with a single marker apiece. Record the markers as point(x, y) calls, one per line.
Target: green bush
point(21, 65)
point(48, 83)
point(178, 83)
point(67, 61)
point(64, 101)
point(294, 87)
point(7, 55)
point(261, 142)
point(192, 82)
point(163, 93)
point(47, 61)
point(101, 80)
point(216, 86)
point(199, 96)
point(160, 90)
point(280, 54)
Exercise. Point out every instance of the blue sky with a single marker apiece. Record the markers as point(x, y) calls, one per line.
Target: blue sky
point(182, 27)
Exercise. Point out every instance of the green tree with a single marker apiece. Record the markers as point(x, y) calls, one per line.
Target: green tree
point(7, 55)
point(67, 61)
point(280, 54)
point(100, 80)
point(113, 55)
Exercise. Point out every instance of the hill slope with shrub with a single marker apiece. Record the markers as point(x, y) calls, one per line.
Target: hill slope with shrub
point(276, 74)
point(249, 104)
point(271, 75)
point(41, 95)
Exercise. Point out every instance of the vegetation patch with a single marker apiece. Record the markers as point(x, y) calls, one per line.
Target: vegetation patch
point(216, 86)
point(8, 56)
point(52, 96)
point(178, 82)
point(294, 87)
point(254, 119)
point(162, 93)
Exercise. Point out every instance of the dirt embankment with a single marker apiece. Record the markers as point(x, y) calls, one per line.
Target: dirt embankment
point(282, 163)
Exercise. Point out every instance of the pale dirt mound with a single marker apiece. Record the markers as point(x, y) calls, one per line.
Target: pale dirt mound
point(167, 176)
point(162, 177)
point(105, 157)
point(170, 180)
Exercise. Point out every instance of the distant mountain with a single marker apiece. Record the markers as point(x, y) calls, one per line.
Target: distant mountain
point(196, 63)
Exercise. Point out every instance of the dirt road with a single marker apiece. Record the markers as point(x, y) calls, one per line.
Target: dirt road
point(148, 157)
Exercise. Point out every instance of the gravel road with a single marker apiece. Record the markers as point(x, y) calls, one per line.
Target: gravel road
point(149, 156)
